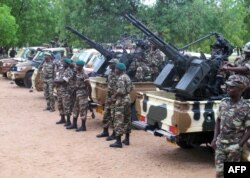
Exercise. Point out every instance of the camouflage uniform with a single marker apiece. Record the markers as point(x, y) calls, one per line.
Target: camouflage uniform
point(72, 88)
point(48, 81)
point(122, 121)
point(108, 117)
point(139, 69)
point(63, 91)
point(235, 118)
point(155, 61)
point(82, 93)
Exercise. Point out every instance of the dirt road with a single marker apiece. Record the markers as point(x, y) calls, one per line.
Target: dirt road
point(32, 145)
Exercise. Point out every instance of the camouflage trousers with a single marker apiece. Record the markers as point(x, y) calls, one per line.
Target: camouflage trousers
point(122, 118)
point(64, 102)
point(108, 116)
point(80, 107)
point(72, 99)
point(226, 153)
point(48, 89)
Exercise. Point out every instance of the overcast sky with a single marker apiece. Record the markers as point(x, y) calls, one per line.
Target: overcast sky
point(148, 2)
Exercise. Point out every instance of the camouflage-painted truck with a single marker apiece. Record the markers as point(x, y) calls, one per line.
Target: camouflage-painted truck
point(186, 109)
point(99, 92)
point(186, 123)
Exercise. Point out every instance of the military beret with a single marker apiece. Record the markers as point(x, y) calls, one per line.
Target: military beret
point(238, 81)
point(67, 60)
point(114, 60)
point(47, 54)
point(120, 66)
point(80, 62)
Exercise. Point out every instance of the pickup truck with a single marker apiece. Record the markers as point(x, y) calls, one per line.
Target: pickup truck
point(99, 90)
point(186, 123)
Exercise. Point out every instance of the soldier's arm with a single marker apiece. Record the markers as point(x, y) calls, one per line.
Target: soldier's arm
point(245, 137)
point(89, 88)
point(240, 69)
point(216, 132)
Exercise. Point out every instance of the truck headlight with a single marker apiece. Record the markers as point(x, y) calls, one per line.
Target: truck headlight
point(20, 68)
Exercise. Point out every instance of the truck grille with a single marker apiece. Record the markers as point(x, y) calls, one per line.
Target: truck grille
point(13, 68)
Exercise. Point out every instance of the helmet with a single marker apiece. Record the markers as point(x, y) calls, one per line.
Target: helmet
point(247, 47)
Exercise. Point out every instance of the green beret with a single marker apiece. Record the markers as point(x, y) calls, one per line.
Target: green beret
point(121, 66)
point(80, 62)
point(67, 60)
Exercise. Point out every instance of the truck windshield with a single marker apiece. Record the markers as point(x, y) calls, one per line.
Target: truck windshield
point(38, 57)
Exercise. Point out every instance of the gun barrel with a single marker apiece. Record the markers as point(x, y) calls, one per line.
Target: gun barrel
point(93, 44)
point(197, 41)
point(167, 49)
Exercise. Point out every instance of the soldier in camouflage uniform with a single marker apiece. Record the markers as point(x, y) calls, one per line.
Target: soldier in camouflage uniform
point(122, 118)
point(155, 61)
point(108, 117)
point(83, 91)
point(48, 72)
point(232, 128)
point(242, 67)
point(72, 89)
point(63, 92)
point(138, 69)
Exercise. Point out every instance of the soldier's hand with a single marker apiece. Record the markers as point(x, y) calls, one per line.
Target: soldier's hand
point(224, 68)
point(213, 144)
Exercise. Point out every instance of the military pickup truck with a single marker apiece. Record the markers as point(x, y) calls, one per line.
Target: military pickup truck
point(7, 64)
point(22, 73)
point(186, 123)
point(99, 91)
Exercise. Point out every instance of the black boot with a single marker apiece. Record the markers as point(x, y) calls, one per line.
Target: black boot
point(68, 123)
point(74, 125)
point(111, 137)
point(126, 140)
point(105, 133)
point(83, 127)
point(62, 120)
point(118, 143)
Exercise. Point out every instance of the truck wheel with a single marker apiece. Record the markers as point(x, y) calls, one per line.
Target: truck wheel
point(27, 79)
point(5, 75)
point(183, 141)
point(19, 82)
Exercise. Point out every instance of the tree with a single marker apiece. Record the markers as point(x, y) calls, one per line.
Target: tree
point(8, 27)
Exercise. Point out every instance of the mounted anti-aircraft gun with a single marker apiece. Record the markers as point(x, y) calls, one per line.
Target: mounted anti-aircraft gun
point(187, 77)
point(103, 63)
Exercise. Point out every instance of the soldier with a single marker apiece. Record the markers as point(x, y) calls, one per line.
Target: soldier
point(63, 92)
point(232, 128)
point(108, 117)
point(155, 61)
point(48, 81)
point(242, 67)
point(72, 89)
point(122, 118)
point(138, 69)
point(83, 91)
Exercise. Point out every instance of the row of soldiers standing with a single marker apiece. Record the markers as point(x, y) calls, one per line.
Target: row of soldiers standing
point(74, 89)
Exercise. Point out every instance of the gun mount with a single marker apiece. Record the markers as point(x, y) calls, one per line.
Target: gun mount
point(188, 77)
point(103, 62)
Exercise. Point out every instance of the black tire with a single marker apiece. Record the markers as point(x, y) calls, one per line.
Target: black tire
point(5, 75)
point(183, 142)
point(27, 79)
point(19, 82)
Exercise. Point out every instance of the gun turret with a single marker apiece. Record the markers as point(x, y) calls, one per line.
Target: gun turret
point(103, 63)
point(185, 76)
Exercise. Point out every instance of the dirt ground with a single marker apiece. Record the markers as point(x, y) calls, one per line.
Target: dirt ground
point(32, 145)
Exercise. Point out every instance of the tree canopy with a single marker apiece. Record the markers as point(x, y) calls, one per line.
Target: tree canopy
point(178, 21)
